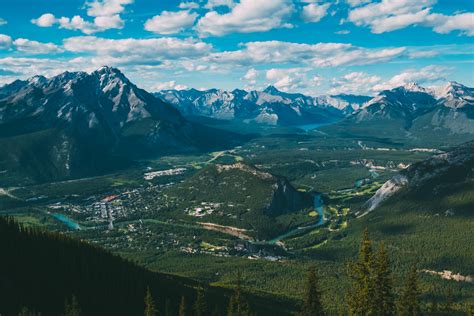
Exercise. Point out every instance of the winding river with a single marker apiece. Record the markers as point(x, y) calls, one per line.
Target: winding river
point(318, 207)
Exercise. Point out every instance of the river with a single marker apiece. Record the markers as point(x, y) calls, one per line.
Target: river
point(318, 207)
point(71, 224)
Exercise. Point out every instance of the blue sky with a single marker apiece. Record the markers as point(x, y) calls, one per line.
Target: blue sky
point(310, 46)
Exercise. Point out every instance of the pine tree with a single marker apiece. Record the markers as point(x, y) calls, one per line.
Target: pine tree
point(409, 304)
point(168, 308)
point(183, 308)
point(312, 298)
point(200, 304)
point(238, 306)
point(384, 304)
point(360, 295)
point(448, 304)
point(150, 308)
point(25, 311)
point(72, 308)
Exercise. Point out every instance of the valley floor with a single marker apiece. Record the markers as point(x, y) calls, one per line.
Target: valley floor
point(135, 214)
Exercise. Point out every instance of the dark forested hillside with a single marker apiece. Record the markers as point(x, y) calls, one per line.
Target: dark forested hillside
point(41, 270)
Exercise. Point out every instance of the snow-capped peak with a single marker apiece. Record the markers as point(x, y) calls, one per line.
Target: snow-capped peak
point(414, 87)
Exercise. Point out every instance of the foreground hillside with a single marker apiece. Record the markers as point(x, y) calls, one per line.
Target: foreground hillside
point(42, 270)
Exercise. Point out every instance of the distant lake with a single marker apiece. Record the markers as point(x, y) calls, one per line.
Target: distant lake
point(313, 126)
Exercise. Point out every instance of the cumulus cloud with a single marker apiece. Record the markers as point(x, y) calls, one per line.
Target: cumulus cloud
point(5, 41)
point(106, 7)
point(34, 47)
point(354, 83)
point(247, 16)
point(291, 79)
point(170, 22)
point(105, 13)
point(45, 20)
point(211, 4)
point(169, 85)
point(77, 23)
point(137, 51)
point(188, 5)
point(314, 12)
point(356, 3)
point(319, 55)
point(389, 15)
point(426, 75)
point(3, 22)
point(250, 78)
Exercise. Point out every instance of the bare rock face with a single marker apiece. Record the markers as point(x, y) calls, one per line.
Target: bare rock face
point(429, 176)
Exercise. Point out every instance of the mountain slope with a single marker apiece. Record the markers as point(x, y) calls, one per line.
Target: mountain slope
point(414, 114)
point(270, 106)
point(242, 196)
point(45, 269)
point(78, 124)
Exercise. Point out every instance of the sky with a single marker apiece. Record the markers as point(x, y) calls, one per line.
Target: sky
point(308, 46)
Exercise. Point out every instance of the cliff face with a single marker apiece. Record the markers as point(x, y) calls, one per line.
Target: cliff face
point(287, 199)
point(431, 176)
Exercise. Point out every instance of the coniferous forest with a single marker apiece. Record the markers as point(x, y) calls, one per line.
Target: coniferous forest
point(44, 273)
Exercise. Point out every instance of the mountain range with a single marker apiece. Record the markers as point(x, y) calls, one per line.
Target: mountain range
point(270, 106)
point(77, 124)
point(449, 108)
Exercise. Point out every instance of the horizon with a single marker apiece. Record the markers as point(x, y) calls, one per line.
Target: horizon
point(432, 89)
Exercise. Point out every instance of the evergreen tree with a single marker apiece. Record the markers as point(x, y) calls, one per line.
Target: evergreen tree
point(409, 304)
point(183, 308)
point(72, 308)
point(200, 304)
point(216, 312)
point(312, 298)
point(360, 295)
point(448, 304)
point(25, 311)
point(434, 310)
point(383, 284)
point(238, 305)
point(150, 308)
point(168, 308)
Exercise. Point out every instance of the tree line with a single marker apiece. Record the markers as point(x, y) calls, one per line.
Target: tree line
point(91, 281)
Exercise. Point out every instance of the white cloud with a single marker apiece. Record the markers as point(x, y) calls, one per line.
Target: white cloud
point(5, 41)
point(34, 47)
point(246, 17)
point(443, 24)
point(314, 12)
point(354, 83)
point(211, 4)
point(106, 7)
point(3, 22)
point(426, 75)
point(343, 32)
point(250, 78)
point(170, 22)
point(169, 85)
point(77, 23)
point(390, 15)
point(188, 5)
point(291, 79)
point(45, 20)
point(105, 13)
point(137, 51)
point(319, 55)
point(356, 3)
